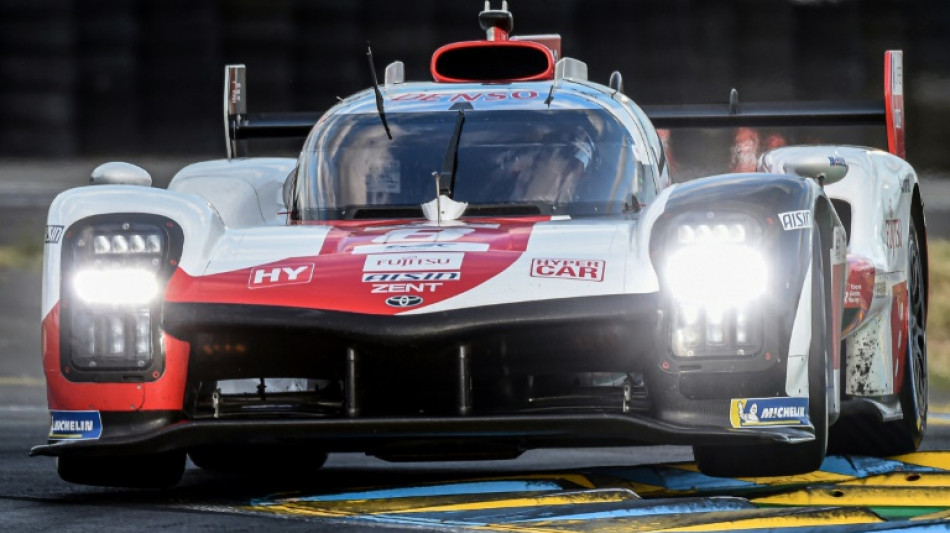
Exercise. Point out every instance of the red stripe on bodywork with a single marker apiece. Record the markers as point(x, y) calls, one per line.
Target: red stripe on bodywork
point(165, 393)
point(337, 278)
point(894, 101)
point(900, 315)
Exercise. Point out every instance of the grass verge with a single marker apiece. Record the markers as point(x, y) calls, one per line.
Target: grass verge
point(938, 320)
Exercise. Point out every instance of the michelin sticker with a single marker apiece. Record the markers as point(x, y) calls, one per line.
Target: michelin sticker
point(759, 412)
point(75, 425)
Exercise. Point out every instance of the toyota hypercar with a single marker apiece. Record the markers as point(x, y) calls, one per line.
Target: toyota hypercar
point(489, 262)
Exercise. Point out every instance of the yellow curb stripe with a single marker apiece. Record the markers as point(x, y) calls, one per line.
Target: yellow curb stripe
point(829, 517)
point(576, 498)
point(939, 408)
point(712, 521)
point(939, 460)
point(293, 509)
point(853, 496)
point(903, 480)
point(407, 504)
point(811, 478)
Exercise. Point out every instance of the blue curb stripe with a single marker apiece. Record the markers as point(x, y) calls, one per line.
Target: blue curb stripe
point(452, 489)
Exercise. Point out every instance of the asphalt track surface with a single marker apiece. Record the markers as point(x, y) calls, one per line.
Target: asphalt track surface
point(609, 489)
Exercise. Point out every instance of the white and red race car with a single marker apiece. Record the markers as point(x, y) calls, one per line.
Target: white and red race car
point(486, 263)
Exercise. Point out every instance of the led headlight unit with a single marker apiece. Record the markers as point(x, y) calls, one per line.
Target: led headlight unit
point(114, 270)
point(715, 273)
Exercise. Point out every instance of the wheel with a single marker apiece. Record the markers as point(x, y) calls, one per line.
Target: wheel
point(788, 459)
point(868, 434)
point(258, 459)
point(154, 471)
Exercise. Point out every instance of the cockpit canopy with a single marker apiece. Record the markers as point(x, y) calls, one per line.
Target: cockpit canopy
point(577, 162)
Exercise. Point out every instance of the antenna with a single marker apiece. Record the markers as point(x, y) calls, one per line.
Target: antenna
point(497, 23)
point(379, 94)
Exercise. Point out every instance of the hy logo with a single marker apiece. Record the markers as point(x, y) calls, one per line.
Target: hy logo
point(403, 300)
point(272, 276)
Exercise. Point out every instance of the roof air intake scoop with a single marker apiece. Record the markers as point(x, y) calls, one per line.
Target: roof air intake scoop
point(498, 59)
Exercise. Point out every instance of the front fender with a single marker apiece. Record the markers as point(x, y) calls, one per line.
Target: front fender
point(787, 212)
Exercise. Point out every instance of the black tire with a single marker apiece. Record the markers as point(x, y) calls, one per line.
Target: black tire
point(869, 435)
point(271, 460)
point(788, 459)
point(154, 471)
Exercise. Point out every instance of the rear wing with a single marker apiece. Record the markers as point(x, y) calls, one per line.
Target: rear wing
point(889, 112)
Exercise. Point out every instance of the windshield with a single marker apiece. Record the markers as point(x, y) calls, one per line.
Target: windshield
point(574, 162)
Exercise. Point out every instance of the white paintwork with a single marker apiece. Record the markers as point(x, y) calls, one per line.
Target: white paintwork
point(246, 248)
point(200, 224)
point(244, 192)
point(395, 73)
point(625, 271)
point(878, 186)
point(796, 377)
point(568, 68)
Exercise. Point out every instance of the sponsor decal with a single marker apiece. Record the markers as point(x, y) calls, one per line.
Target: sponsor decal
point(53, 234)
point(278, 275)
point(422, 239)
point(476, 96)
point(853, 297)
point(880, 289)
point(383, 288)
point(580, 269)
point(404, 300)
point(892, 234)
point(75, 425)
point(759, 412)
point(412, 262)
point(839, 252)
point(395, 277)
point(792, 220)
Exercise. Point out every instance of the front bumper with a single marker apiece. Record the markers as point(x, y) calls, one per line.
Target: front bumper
point(369, 434)
point(478, 377)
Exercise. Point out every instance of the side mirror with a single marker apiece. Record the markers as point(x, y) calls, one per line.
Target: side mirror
point(117, 173)
point(822, 168)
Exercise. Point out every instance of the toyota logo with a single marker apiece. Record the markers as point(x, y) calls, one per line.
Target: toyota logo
point(403, 300)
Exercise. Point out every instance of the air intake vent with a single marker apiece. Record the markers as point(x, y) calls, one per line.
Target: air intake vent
point(492, 62)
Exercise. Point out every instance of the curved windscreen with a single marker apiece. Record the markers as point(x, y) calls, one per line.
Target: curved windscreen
point(574, 162)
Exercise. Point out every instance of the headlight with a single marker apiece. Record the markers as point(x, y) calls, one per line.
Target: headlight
point(114, 270)
point(715, 273)
point(116, 286)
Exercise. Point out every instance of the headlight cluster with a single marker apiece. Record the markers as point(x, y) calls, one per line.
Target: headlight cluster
point(112, 282)
point(716, 273)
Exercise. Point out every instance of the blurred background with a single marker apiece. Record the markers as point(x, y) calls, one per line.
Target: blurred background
point(105, 78)
point(86, 81)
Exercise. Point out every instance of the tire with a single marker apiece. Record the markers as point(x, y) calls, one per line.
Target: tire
point(154, 471)
point(789, 459)
point(272, 460)
point(868, 434)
